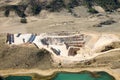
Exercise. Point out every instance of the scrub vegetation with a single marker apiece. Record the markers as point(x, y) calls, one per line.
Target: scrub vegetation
point(35, 6)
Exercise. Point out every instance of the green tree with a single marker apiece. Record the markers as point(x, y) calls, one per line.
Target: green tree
point(73, 3)
point(56, 5)
point(36, 9)
point(35, 6)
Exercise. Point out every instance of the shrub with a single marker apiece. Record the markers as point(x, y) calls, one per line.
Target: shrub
point(20, 10)
point(93, 11)
point(36, 9)
point(108, 22)
point(56, 5)
point(97, 25)
point(108, 5)
point(73, 3)
point(107, 48)
point(87, 3)
point(69, 9)
point(7, 12)
point(23, 20)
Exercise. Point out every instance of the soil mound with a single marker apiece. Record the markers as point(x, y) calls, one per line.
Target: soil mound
point(23, 57)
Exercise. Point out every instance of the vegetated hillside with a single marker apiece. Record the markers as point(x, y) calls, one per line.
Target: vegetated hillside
point(108, 5)
point(34, 7)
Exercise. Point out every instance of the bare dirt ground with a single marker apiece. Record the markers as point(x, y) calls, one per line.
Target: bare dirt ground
point(29, 57)
point(18, 57)
point(52, 22)
point(14, 57)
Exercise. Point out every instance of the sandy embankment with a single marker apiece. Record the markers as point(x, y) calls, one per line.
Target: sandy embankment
point(55, 22)
point(51, 71)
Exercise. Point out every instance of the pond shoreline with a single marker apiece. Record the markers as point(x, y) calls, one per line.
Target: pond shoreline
point(52, 71)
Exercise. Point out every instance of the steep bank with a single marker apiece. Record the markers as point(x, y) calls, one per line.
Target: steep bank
point(23, 57)
point(29, 57)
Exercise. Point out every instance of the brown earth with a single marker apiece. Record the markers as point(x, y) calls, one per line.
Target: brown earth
point(29, 57)
point(23, 56)
point(17, 57)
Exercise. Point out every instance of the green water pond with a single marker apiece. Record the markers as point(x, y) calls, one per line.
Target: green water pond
point(18, 78)
point(84, 75)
